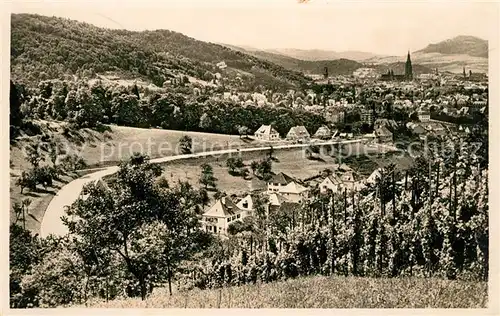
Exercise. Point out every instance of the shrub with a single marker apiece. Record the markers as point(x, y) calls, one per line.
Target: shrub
point(186, 144)
point(45, 175)
point(72, 163)
point(27, 180)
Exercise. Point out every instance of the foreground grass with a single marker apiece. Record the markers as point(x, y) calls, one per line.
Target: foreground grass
point(324, 292)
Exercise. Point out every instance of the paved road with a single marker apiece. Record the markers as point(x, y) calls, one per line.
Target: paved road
point(52, 223)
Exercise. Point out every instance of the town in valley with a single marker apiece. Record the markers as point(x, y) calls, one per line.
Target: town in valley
point(151, 169)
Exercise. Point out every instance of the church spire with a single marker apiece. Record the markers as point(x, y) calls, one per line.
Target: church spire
point(408, 68)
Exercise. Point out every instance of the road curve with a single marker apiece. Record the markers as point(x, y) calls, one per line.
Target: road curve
point(52, 223)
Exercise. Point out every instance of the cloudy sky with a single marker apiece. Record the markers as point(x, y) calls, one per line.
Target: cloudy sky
point(385, 28)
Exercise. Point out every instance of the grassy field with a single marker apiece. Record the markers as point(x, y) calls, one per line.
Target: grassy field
point(100, 149)
point(118, 142)
point(290, 161)
point(323, 292)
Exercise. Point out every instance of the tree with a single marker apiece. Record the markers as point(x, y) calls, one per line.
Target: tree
point(231, 165)
point(33, 155)
point(151, 228)
point(126, 110)
point(86, 113)
point(27, 180)
point(265, 169)
point(207, 178)
point(205, 121)
point(15, 105)
point(271, 152)
point(21, 210)
point(24, 253)
point(186, 143)
point(72, 163)
point(234, 165)
point(235, 227)
point(135, 91)
point(254, 165)
point(219, 194)
point(244, 173)
point(58, 279)
point(243, 131)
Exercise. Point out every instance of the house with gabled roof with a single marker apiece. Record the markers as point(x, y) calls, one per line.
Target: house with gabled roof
point(330, 183)
point(351, 181)
point(372, 179)
point(294, 192)
point(416, 128)
point(298, 133)
point(323, 133)
point(383, 135)
point(267, 133)
point(220, 215)
point(246, 204)
point(424, 116)
point(275, 199)
point(278, 181)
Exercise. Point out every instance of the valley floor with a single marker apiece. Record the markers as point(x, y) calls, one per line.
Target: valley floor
point(323, 292)
point(100, 149)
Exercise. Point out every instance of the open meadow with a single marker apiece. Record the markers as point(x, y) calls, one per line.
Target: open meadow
point(293, 162)
point(98, 149)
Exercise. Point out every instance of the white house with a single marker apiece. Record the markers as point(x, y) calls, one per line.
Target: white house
point(424, 116)
point(246, 205)
point(277, 182)
point(332, 183)
point(267, 132)
point(323, 133)
point(275, 199)
point(350, 182)
point(298, 133)
point(222, 213)
point(294, 192)
point(372, 179)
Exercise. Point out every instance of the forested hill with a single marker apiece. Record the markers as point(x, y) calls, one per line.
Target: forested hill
point(50, 47)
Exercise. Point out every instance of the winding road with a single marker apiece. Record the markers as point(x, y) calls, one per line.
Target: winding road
point(52, 223)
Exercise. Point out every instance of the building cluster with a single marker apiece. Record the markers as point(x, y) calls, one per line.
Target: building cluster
point(299, 134)
point(282, 193)
point(374, 98)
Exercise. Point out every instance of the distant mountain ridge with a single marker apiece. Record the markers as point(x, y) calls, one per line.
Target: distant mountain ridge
point(319, 54)
point(468, 45)
point(341, 66)
point(450, 55)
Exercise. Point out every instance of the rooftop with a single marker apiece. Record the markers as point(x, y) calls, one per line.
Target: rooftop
point(223, 207)
point(281, 178)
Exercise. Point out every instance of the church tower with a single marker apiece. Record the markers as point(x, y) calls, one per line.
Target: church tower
point(408, 68)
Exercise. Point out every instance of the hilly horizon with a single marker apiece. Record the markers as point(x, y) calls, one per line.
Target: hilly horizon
point(45, 47)
point(449, 55)
point(320, 54)
point(51, 48)
point(462, 44)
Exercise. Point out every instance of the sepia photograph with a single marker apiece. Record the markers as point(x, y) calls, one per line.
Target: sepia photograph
point(268, 154)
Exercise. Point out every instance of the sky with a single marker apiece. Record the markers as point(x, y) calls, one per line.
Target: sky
point(387, 28)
